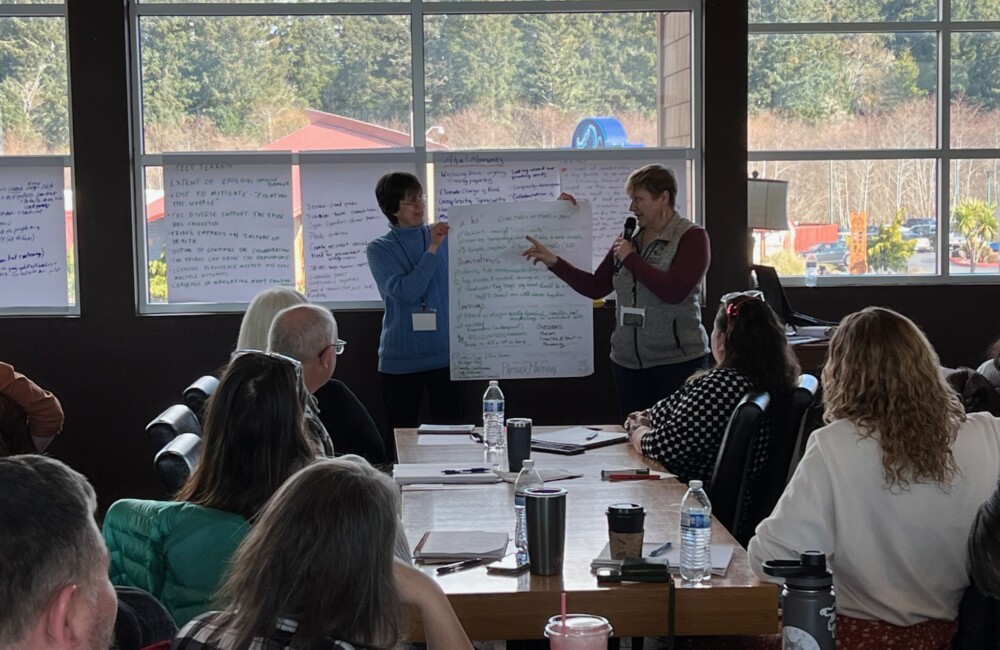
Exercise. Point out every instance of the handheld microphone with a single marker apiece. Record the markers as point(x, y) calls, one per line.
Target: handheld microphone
point(626, 234)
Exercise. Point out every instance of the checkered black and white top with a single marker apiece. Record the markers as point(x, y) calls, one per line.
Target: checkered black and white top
point(687, 427)
point(197, 635)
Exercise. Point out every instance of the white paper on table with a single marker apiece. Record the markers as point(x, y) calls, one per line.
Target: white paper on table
point(444, 440)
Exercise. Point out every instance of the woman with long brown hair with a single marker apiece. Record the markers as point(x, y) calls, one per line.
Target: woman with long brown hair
point(889, 488)
point(684, 431)
point(252, 441)
point(317, 571)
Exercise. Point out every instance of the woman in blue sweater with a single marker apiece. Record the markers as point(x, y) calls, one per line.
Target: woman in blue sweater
point(410, 267)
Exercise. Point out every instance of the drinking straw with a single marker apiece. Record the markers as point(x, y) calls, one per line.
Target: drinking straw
point(564, 612)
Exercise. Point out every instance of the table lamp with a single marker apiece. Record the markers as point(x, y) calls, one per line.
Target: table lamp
point(766, 207)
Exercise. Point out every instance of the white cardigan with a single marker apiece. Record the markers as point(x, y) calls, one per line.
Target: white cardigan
point(897, 555)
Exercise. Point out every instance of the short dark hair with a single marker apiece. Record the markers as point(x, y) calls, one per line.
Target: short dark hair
point(48, 538)
point(393, 188)
point(253, 437)
point(322, 554)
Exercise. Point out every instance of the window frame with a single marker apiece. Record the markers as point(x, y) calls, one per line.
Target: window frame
point(418, 154)
point(63, 162)
point(943, 152)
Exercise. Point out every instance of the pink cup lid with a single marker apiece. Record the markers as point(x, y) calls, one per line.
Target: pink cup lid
point(578, 625)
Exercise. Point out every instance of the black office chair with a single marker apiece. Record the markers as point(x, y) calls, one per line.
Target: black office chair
point(171, 423)
point(198, 393)
point(787, 422)
point(731, 477)
point(178, 458)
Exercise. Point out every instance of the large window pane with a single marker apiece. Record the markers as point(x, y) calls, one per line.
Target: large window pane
point(975, 95)
point(827, 91)
point(974, 244)
point(34, 109)
point(974, 10)
point(275, 82)
point(809, 11)
point(526, 81)
point(895, 197)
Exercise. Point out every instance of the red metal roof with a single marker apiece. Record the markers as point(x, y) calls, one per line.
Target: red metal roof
point(325, 132)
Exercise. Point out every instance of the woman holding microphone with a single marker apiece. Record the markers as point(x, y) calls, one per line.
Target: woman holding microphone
point(657, 273)
point(410, 267)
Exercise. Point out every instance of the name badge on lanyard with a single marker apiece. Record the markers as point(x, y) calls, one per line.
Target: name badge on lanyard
point(425, 320)
point(632, 317)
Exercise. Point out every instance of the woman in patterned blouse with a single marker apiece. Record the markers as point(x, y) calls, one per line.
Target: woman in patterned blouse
point(683, 432)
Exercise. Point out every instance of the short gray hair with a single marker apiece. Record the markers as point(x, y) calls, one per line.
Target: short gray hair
point(48, 538)
point(261, 311)
point(302, 331)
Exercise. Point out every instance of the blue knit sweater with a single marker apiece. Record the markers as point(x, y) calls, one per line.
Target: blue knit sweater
point(407, 275)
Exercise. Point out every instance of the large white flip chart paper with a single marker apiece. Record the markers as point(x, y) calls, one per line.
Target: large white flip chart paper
point(230, 230)
point(339, 218)
point(472, 178)
point(32, 238)
point(602, 182)
point(509, 318)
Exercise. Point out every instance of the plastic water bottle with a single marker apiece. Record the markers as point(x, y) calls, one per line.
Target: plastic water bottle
point(527, 478)
point(493, 404)
point(696, 534)
point(811, 268)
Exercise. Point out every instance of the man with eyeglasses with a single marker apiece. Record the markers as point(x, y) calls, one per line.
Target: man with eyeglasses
point(308, 333)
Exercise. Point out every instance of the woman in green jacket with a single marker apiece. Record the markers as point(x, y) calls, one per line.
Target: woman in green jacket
point(253, 439)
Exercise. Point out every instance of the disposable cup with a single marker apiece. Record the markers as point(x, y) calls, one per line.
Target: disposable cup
point(581, 632)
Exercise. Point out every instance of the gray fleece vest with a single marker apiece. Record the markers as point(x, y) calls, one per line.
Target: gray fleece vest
point(672, 333)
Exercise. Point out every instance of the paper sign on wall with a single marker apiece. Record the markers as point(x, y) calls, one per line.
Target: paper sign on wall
point(32, 238)
point(230, 230)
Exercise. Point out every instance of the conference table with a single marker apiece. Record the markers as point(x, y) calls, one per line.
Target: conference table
point(517, 607)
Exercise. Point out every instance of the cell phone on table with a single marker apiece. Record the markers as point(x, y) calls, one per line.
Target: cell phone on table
point(510, 565)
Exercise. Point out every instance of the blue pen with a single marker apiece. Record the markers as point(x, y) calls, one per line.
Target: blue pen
point(659, 549)
point(469, 470)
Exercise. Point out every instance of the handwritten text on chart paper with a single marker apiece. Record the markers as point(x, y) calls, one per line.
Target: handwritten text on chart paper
point(509, 318)
point(32, 237)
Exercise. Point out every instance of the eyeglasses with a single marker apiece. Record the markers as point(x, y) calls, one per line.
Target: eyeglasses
point(735, 299)
point(294, 363)
point(419, 200)
point(338, 347)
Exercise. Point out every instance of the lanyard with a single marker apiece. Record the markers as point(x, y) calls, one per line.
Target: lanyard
point(413, 266)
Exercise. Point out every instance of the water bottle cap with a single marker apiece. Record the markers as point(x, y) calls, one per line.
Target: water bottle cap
point(527, 463)
point(494, 382)
point(695, 484)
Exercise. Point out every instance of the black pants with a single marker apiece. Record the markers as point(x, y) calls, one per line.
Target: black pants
point(402, 395)
point(640, 389)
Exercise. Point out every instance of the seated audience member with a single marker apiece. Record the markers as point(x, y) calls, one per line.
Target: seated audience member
point(30, 416)
point(309, 333)
point(886, 486)
point(991, 367)
point(317, 571)
point(350, 427)
point(252, 440)
point(975, 391)
point(54, 586)
point(683, 432)
point(260, 314)
point(984, 547)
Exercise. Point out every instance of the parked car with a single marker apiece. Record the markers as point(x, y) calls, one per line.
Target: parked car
point(836, 254)
point(920, 234)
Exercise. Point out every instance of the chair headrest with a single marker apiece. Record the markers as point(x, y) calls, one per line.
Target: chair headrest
point(198, 393)
point(168, 425)
point(178, 458)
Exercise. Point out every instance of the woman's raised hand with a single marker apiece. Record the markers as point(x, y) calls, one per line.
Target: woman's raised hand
point(438, 232)
point(539, 253)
